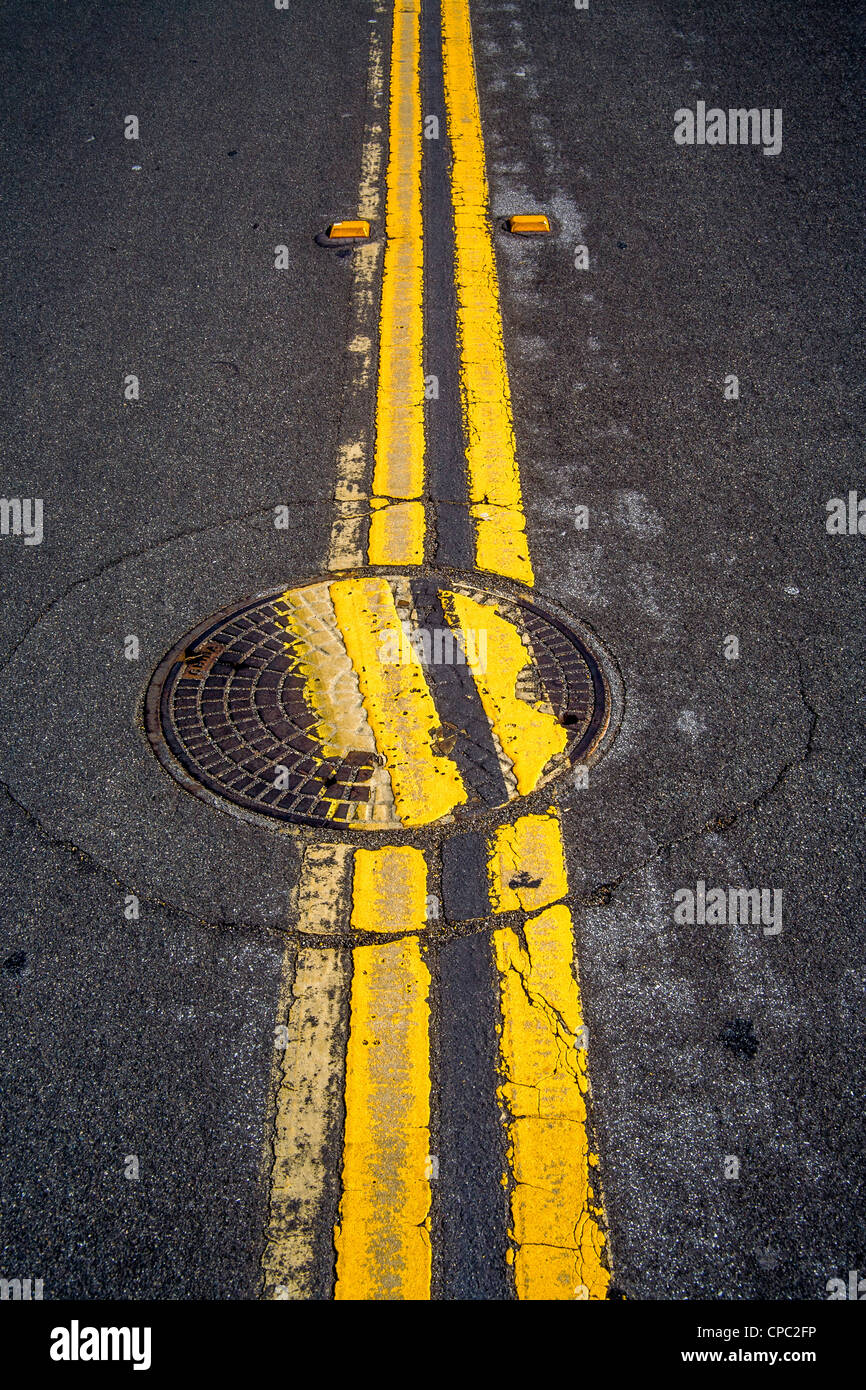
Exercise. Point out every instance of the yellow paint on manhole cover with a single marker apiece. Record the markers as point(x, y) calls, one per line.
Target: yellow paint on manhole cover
point(377, 702)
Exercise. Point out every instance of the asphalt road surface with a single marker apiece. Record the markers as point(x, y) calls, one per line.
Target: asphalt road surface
point(155, 949)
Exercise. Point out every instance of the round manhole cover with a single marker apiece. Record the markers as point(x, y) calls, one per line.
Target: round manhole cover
point(378, 703)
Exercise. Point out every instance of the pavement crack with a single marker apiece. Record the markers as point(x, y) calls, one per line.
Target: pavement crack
point(601, 894)
point(92, 865)
point(107, 566)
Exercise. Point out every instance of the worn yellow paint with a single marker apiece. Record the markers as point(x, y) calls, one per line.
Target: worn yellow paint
point(399, 465)
point(310, 1042)
point(331, 689)
point(554, 1205)
point(527, 864)
point(330, 684)
point(399, 706)
point(491, 457)
point(389, 889)
point(351, 505)
point(324, 889)
point(382, 1236)
point(396, 530)
point(530, 735)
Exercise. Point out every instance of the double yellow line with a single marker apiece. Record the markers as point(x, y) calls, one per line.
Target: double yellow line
point(379, 1063)
point(396, 506)
point(379, 1066)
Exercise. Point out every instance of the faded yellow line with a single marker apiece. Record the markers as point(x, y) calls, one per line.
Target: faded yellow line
point(351, 501)
point(383, 1236)
point(331, 689)
point(556, 1209)
point(529, 734)
point(331, 686)
point(310, 1041)
point(494, 481)
point(389, 889)
point(396, 532)
point(397, 537)
point(399, 706)
point(324, 889)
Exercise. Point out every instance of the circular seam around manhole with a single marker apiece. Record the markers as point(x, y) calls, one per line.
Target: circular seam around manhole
point(375, 703)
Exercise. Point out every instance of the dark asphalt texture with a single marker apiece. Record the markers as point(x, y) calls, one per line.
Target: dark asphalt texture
point(706, 518)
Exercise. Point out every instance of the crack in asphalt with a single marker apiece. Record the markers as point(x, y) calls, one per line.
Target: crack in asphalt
point(109, 565)
point(602, 893)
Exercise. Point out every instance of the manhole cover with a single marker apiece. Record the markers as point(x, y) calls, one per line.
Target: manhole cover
point(380, 703)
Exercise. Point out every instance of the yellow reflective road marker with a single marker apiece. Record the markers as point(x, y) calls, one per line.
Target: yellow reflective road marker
point(349, 230)
point(397, 535)
point(496, 505)
point(383, 1236)
point(556, 1209)
point(529, 224)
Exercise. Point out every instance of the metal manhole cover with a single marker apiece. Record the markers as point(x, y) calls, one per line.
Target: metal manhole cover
point(379, 703)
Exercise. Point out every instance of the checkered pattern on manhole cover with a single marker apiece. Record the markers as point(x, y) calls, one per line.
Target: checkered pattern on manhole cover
point(375, 702)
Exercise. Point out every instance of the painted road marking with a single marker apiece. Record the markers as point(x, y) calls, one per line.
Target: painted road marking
point(351, 503)
point(556, 1208)
point(389, 889)
point(323, 889)
point(398, 704)
point(397, 522)
point(383, 1235)
point(555, 1244)
point(530, 735)
point(527, 864)
point(311, 1044)
point(496, 504)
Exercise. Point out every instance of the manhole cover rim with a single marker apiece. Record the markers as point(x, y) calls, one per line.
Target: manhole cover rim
point(591, 747)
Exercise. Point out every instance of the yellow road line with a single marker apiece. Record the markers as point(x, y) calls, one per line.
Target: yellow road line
point(307, 1101)
point(331, 686)
point(324, 889)
point(383, 1236)
point(530, 735)
point(396, 532)
point(494, 480)
point(351, 503)
point(389, 889)
point(399, 467)
point(527, 864)
point(556, 1211)
point(398, 702)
